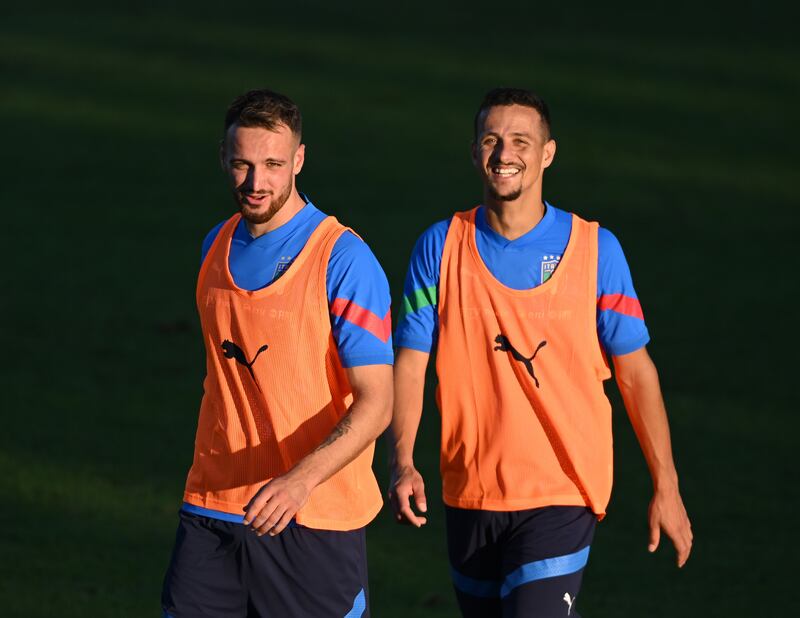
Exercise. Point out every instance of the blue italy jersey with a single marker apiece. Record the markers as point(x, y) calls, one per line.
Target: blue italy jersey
point(358, 293)
point(523, 263)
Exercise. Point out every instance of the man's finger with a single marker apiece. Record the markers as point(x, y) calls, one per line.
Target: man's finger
point(419, 495)
point(268, 523)
point(683, 548)
point(395, 499)
point(261, 517)
point(400, 499)
point(284, 521)
point(410, 516)
point(413, 518)
point(655, 536)
point(255, 505)
point(687, 547)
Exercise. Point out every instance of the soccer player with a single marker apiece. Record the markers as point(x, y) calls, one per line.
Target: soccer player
point(523, 303)
point(294, 310)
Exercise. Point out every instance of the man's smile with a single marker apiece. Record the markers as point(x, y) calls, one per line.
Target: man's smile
point(253, 200)
point(504, 171)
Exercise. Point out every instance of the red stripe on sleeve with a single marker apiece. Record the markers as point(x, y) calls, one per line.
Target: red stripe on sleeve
point(353, 313)
point(621, 304)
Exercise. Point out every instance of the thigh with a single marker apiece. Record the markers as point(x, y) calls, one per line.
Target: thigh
point(475, 560)
point(203, 578)
point(544, 556)
point(306, 573)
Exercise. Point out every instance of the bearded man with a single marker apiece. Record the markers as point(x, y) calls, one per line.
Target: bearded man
point(294, 310)
point(523, 304)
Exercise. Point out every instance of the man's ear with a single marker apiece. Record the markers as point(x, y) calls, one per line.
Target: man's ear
point(222, 155)
point(549, 153)
point(299, 158)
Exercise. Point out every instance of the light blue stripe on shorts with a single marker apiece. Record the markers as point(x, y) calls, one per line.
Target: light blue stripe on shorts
point(359, 606)
point(532, 571)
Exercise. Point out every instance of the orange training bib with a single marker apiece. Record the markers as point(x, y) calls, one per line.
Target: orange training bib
point(274, 388)
point(525, 421)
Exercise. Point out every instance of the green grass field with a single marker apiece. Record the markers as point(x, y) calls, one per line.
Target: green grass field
point(676, 129)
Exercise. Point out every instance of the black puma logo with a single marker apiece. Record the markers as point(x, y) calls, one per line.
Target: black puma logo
point(231, 350)
point(504, 345)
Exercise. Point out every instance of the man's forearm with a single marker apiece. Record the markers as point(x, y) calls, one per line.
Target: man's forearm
point(638, 382)
point(357, 429)
point(409, 387)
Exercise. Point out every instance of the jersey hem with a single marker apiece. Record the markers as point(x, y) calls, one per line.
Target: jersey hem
point(372, 359)
point(336, 525)
point(520, 504)
point(414, 344)
point(318, 523)
point(628, 346)
point(215, 505)
point(193, 509)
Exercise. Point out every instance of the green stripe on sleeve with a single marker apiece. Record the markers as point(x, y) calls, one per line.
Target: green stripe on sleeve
point(422, 297)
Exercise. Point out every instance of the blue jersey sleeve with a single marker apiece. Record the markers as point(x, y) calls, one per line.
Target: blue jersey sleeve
point(620, 321)
point(209, 240)
point(417, 323)
point(359, 300)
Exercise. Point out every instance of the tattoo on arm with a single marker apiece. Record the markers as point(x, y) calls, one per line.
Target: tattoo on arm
point(342, 427)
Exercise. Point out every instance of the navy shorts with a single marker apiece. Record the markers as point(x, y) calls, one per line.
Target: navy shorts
point(519, 563)
point(223, 569)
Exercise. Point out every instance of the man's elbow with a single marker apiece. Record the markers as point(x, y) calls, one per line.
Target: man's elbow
point(373, 396)
point(634, 370)
point(384, 416)
point(377, 408)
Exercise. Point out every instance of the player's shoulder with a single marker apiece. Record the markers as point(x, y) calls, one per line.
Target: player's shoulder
point(210, 237)
point(439, 228)
point(350, 247)
point(611, 261)
point(432, 239)
point(607, 240)
point(352, 260)
point(609, 249)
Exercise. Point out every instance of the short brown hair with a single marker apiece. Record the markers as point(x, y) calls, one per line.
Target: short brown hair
point(515, 96)
point(264, 108)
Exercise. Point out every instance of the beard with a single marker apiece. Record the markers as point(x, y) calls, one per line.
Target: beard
point(508, 197)
point(257, 218)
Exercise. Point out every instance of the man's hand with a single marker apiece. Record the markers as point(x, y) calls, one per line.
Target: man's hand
point(275, 504)
point(405, 483)
point(667, 513)
point(638, 382)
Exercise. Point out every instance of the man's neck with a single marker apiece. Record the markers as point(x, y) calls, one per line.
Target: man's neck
point(514, 219)
point(292, 206)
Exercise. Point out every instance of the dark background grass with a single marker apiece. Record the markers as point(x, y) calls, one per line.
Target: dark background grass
point(676, 129)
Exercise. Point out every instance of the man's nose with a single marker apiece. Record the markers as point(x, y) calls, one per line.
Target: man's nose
point(256, 181)
point(501, 153)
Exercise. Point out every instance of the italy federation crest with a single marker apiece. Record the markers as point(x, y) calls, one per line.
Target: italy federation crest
point(282, 266)
point(549, 263)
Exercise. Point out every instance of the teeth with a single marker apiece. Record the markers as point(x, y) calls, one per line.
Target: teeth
point(505, 171)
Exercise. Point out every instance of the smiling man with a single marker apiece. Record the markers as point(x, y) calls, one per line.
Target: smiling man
point(294, 310)
point(523, 302)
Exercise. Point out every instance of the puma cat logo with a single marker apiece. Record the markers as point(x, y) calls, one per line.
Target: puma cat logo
point(569, 601)
point(231, 350)
point(504, 345)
